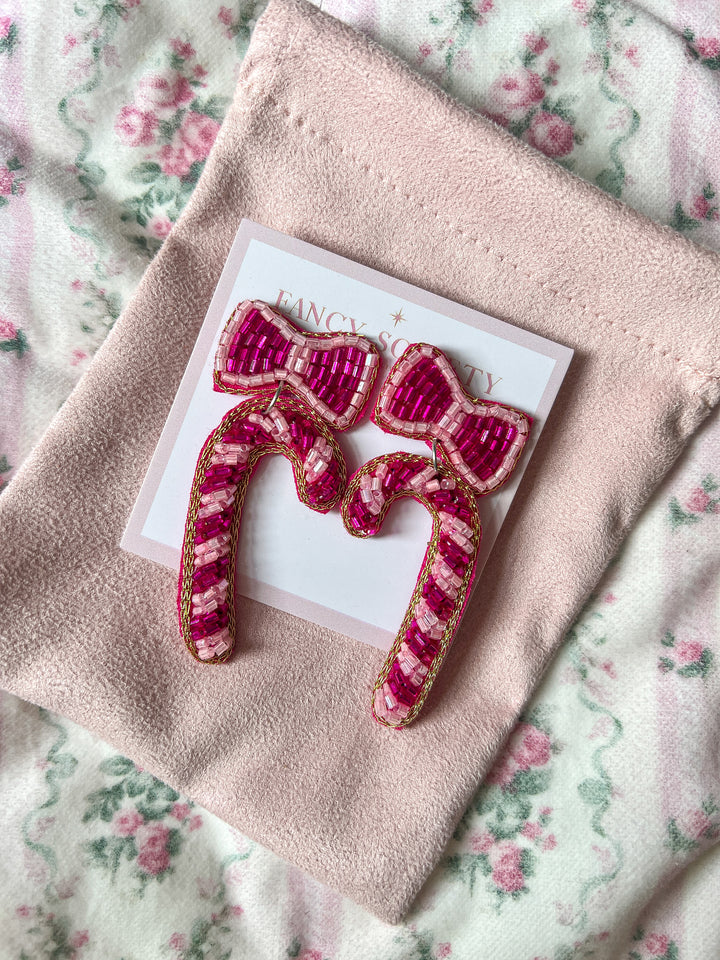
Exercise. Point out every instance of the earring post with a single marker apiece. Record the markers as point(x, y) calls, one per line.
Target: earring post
point(276, 397)
point(436, 467)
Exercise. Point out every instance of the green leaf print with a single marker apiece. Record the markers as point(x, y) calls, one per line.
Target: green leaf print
point(18, 344)
point(709, 484)
point(531, 781)
point(146, 172)
point(116, 766)
point(103, 804)
point(681, 221)
point(699, 668)
point(679, 517)
point(677, 841)
point(595, 792)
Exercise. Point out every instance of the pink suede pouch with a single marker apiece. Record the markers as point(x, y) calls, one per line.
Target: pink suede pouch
point(334, 141)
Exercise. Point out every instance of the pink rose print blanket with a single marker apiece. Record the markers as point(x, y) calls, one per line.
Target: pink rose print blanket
point(595, 833)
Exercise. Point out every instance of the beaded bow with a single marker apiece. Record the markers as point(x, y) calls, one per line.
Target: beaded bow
point(424, 399)
point(332, 373)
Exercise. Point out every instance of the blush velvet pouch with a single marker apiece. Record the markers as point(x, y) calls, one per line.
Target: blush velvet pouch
point(334, 141)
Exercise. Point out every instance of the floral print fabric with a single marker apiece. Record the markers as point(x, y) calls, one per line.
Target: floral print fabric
point(581, 841)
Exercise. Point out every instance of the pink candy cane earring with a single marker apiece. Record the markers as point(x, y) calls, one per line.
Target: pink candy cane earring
point(480, 444)
point(304, 385)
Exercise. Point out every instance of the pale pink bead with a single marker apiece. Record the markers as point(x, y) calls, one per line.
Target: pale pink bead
point(391, 702)
point(381, 710)
point(317, 469)
point(460, 539)
point(440, 568)
point(280, 427)
point(449, 589)
point(214, 543)
point(456, 524)
point(425, 613)
point(238, 450)
point(205, 558)
point(217, 496)
point(216, 590)
point(317, 458)
point(221, 637)
point(413, 677)
point(454, 579)
point(412, 668)
point(408, 655)
point(268, 425)
point(204, 606)
point(213, 595)
point(213, 503)
point(397, 710)
point(428, 621)
point(442, 571)
point(420, 479)
point(224, 498)
point(208, 510)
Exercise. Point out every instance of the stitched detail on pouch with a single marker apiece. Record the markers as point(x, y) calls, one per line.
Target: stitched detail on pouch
point(301, 124)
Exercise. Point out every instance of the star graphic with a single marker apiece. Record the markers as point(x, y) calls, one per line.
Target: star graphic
point(398, 317)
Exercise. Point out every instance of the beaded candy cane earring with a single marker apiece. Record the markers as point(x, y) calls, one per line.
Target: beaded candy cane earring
point(480, 445)
point(304, 385)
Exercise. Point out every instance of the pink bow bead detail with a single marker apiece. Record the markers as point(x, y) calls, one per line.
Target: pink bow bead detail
point(333, 373)
point(423, 398)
